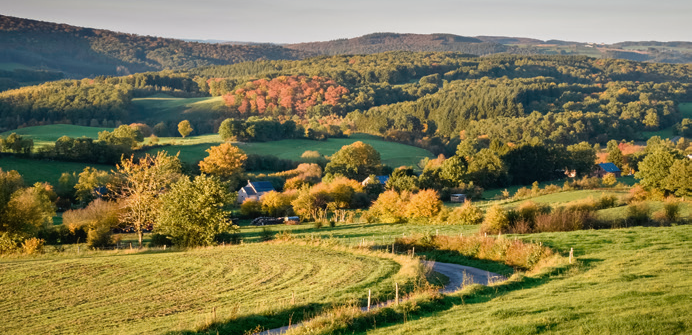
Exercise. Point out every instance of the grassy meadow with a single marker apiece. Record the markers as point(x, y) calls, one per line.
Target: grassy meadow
point(625, 281)
point(44, 170)
point(393, 154)
point(163, 107)
point(48, 134)
point(154, 292)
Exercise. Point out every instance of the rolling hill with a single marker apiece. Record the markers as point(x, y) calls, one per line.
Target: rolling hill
point(83, 52)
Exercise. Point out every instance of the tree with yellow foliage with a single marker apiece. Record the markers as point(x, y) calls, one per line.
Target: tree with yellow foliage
point(225, 161)
point(423, 205)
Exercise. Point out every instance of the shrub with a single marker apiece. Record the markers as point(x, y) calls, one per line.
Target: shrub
point(528, 211)
point(389, 207)
point(100, 237)
point(33, 246)
point(582, 205)
point(251, 208)
point(563, 219)
point(607, 201)
point(159, 240)
point(467, 214)
point(424, 205)
point(637, 193)
point(97, 220)
point(609, 180)
point(637, 214)
point(495, 220)
point(672, 210)
point(8, 243)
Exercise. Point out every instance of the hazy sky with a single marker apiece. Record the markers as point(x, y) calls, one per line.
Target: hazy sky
point(312, 20)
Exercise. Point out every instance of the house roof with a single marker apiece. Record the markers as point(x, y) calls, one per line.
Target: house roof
point(261, 186)
point(248, 190)
point(609, 167)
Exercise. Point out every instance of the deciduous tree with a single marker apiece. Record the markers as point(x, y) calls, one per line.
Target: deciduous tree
point(193, 212)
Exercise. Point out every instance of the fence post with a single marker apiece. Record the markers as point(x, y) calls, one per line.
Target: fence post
point(396, 296)
point(571, 254)
point(369, 295)
point(413, 252)
point(392, 247)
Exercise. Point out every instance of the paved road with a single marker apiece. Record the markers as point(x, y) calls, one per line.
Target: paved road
point(456, 274)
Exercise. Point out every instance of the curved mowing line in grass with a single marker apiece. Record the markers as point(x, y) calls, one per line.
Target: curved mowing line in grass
point(107, 293)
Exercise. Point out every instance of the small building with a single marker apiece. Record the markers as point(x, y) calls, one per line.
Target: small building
point(382, 179)
point(458, 198)
point(603, 169)
point(254, 190)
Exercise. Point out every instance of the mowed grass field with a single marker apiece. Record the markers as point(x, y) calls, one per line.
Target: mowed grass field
point(393, 154)
point(48, 134)
point(627, 281)
point(111, 292)
point(162, 107)
point(44, 170)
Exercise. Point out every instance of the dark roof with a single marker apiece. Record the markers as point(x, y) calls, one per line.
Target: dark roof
point(609, 167)
point(262, 186)
point(248, 190)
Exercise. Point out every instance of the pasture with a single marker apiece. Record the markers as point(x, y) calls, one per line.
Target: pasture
point(48, 134)
point(154, 292)
point(163, 107)
point(625, 281)
point(393, 154)
point(33, 170)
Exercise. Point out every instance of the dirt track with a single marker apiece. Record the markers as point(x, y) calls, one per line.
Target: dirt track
point(454, 272)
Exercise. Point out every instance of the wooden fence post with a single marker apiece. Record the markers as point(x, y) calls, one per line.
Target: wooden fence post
point(413, 252)
point(571, 254)
point(369, 295)
point(396, 296)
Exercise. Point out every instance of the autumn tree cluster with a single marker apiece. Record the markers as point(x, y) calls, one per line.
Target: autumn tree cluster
point(287, 95)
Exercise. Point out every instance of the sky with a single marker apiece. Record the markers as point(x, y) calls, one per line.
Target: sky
point(293, 21)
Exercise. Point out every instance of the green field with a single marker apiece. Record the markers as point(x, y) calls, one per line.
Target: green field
point(393, 154)
point(628, 281)
point(156, 292)
point(33, 170)
point(163, 107)
point(50, 133)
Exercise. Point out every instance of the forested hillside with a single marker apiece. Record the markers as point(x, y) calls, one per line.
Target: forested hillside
point(383, 42)
point(82, 52)
point(427, 98)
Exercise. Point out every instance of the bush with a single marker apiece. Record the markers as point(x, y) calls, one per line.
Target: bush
point(100, 237)
point(637, 214)
point(467, 214)
point(529, 210)
point(563, 219)
point(33, 246)
point(672, 210)
point(607, 201)
point(609, 180)
point(8, 243)
point(159, 240)
point(495, 220)
point(423, 205)
point(251, 208)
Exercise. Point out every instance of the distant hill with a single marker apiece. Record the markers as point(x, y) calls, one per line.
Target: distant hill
point(83, 52)
point(383, 42)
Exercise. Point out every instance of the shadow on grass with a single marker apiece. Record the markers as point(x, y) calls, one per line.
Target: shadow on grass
point(431, 305)
point(257, 322)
